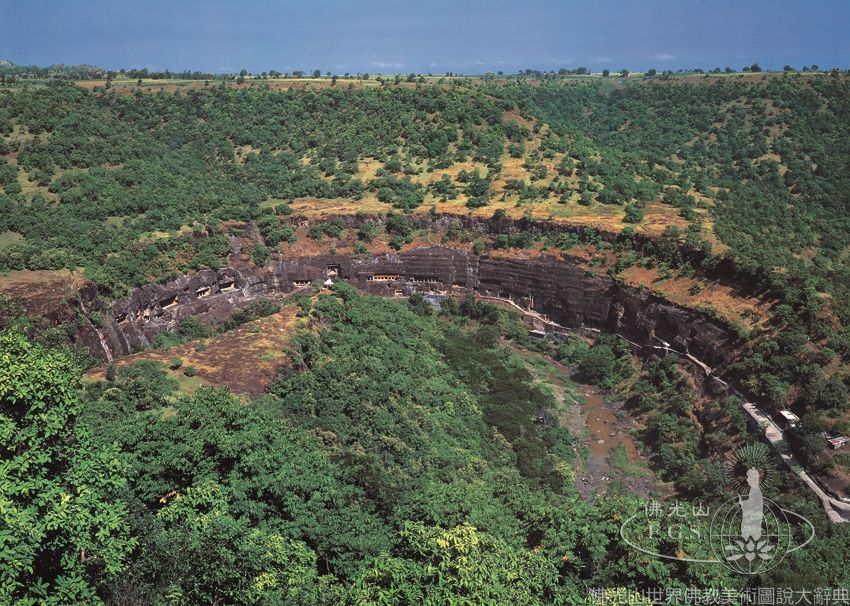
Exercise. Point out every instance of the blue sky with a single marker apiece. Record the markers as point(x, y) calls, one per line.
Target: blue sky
point(469, 36)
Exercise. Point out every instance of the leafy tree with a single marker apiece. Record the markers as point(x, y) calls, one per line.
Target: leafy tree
point(367, 232)
point(599, 365)
point(437, 565)
point(64, 534)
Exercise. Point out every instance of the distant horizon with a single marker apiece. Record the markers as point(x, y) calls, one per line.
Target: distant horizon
point(308, 73)
point(391, 36)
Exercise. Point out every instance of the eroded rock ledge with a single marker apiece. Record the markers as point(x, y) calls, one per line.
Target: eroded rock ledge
point(555, 287)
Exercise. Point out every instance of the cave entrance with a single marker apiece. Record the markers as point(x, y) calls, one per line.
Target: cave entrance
point(169, 302)
point(383, 278)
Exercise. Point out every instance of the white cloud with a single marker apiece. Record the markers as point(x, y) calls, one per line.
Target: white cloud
point(387, 64)
point(557, 62)
point(473, 64)
point(663, 57)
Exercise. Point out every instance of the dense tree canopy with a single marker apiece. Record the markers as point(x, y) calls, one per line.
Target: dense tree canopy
point(401, 458)
point(63, 532)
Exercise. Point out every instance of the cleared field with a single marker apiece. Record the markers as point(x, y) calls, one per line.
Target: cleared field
point(746, 310)
point(606, 217)
point(127, 85)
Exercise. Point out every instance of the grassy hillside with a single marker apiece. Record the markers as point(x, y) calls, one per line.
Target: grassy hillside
point(755, 166)
point(739, 179)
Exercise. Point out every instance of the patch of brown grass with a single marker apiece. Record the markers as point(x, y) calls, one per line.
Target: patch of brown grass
point(688, 292)
point(245, 359)
point(41, 292)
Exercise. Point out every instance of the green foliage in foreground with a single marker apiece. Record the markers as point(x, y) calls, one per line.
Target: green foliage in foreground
point(383, 468)
point(375, 472)
point(63, 530)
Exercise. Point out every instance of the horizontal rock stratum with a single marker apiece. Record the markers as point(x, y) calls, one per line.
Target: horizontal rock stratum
point(558, 288)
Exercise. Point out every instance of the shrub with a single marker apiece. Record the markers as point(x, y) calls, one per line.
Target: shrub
point(396, 242)
point(146, 382)
point(367, 232)
point(606, 363)
point(316, 232)
point(252, 311)
point(634, 214)
point(192, 328)
point(260, 254)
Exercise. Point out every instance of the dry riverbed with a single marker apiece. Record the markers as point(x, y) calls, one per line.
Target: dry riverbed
point(607, 456)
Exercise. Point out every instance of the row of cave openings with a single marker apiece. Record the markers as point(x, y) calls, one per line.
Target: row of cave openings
point(172, 301)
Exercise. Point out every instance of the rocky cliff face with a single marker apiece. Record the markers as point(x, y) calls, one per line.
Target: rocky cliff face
point(556, 288)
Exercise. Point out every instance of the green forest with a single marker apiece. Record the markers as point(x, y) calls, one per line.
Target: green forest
point(137, 188)
point(395, 462)
point(100, 170)
point(406, 456)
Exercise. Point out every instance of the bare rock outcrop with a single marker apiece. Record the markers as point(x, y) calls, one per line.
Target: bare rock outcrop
point(557, 288)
